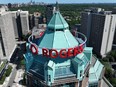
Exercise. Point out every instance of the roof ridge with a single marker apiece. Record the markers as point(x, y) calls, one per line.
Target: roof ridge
point(61, 20)
point(57, 22)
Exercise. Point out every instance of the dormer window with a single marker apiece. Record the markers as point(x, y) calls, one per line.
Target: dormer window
point(56, 29)
point(59, 29)
point(51, 29)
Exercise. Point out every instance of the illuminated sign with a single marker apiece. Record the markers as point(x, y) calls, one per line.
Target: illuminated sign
point(53, 53)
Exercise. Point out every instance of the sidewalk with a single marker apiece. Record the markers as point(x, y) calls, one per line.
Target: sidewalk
point(18, 78)
point(19, 75)
point(17, 85)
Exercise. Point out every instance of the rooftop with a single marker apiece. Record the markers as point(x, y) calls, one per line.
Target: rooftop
point(57, 22)
point(95, 71)
point(57, 36)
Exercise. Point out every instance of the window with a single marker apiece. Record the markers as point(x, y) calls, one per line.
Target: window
point(51, 29)
point(59, 29)
point(49, 77)
point(81, 73)
point(63, 71)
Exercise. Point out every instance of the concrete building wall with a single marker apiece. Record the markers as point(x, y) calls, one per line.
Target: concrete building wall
point(24, 16)
point(7, 32)
point(86, 25)
point(1, 39)
point(1, 51)
point(49, 13)
point(3, 33)
point(36, 20)
point(111, 32)
point(115, 36)
point(14, 18)
point(114, 41)
point(18, 20)
point(96, 32)
point(108, 34)
point(99, 29)
point(31, 21)
point(105, 35)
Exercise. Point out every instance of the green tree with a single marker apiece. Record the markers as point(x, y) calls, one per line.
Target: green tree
point(2, 79)
point(8, 71)
point(113, 81)
point(111, 56)
point(108, 73)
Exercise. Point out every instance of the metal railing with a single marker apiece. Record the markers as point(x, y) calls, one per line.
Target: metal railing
point(78, 36)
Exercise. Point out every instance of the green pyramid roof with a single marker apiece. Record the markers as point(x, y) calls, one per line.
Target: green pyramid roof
point(57, 39)
point(57, 22)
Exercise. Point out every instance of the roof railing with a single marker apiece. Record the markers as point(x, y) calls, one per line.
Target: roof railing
point(81, 38)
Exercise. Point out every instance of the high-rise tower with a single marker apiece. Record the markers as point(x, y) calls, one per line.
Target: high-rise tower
point(49, 12)
point(7, 36)
point(99, 27)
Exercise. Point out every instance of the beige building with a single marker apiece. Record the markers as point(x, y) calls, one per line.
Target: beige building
point(14, 18)
point(24, 17)
point(7, 36)
point(99, 27)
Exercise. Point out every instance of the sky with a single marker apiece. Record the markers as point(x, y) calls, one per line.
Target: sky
point(60, 1)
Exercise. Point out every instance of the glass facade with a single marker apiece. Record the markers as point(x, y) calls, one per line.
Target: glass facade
point(63, 71)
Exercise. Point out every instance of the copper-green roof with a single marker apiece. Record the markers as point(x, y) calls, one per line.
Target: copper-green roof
point(57, 40)
point(57, 22)
point(95, 72)
point(57, 35)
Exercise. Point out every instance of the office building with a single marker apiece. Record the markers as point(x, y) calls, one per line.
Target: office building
point(99, 27)
point(114, 42)
point(86, 25)
point(115, 37)
point(31, 21)
point(58, 59)
point(7, 37)
point(14, 18)
point(20, 23)
point(36, 19)
point(24, 17)
point(49, 12)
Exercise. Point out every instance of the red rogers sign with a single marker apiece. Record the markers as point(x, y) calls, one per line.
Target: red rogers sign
point(53, 53)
